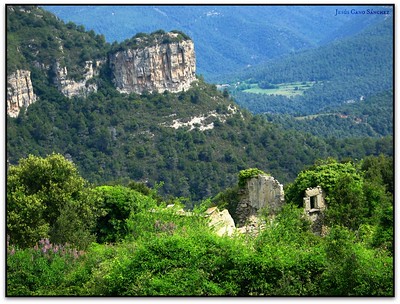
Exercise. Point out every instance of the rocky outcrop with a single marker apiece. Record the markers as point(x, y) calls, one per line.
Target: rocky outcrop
point(69, 87)
point(260, 193)
point(19, 92)
point(158, 67)
point(221, 221)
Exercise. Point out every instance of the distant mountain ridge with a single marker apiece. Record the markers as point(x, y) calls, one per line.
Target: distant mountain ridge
point(346, 69)
point(227, 38)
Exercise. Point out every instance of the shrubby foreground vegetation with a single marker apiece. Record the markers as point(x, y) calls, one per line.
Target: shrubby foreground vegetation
point(113, 240)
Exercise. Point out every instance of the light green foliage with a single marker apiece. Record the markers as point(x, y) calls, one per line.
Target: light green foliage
point(326, 174)
point(356, 195)
point(286, 89)
point(42, 270)
point(171, 254)
point(246, 174)
point(343, 188)
point(47, 197)
point(354, 270)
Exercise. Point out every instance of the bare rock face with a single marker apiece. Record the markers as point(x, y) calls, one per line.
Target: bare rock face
point(158, 67)
point(221, 221)
point(260, 192)
point(69, 87)
point(19, 92)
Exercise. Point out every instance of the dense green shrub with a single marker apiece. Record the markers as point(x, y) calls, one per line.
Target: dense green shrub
point(117, 204)
point(46, 197)
point(41, 270)
point(353, 270)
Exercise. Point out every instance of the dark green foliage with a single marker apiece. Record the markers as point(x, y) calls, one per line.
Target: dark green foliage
point(228, 199)
point(372, 117)
point(111, 136)
point(35, 35)
point(116, 205)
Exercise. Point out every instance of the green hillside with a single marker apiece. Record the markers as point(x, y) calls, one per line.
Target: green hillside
point(344, 70)
point(118, 137)
point(369, 117)
point(228, 38)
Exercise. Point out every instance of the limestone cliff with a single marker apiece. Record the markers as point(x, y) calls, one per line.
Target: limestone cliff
point(260, 192)
point(70, 87)
point(165, 64)
point(19, 92)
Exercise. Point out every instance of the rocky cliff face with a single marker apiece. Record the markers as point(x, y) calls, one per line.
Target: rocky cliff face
point(161, 66)
point(19, 92)
point(259, 192)
point(70, 87)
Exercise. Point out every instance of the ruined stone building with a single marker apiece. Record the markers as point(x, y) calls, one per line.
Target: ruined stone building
point(314, 206)
point(262, 193)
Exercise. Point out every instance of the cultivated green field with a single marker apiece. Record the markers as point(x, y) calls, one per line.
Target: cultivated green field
point(287, 89)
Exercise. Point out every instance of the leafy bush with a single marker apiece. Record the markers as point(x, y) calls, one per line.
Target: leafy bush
point(41, 270)
point(117, 204)
point(353, 270)
point(247, 174)
point(47, 197)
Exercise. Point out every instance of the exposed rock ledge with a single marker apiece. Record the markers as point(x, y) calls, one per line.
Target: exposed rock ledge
point(19, 92)
point(70, 87)
point(156, 68)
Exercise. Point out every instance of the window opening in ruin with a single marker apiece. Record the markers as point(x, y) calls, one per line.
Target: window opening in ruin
point(313, 202)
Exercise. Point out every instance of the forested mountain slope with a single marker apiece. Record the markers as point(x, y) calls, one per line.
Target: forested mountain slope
point(227, 38)
point(194, 141)
point(370, 117)
point(347, 69)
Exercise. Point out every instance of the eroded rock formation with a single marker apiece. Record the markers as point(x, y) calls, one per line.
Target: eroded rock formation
point(70, 87)
point(19, 92)
point(262, 192)
point(161, 66)
point(221, 221)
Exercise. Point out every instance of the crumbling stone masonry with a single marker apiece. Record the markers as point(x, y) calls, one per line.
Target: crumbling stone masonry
point(314, 206)
point(260, 192)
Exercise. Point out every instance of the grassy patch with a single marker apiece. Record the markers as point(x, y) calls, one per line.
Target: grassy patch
point(313, 116)
point(285, 89)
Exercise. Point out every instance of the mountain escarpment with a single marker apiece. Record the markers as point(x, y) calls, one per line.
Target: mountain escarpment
point(155, 63)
